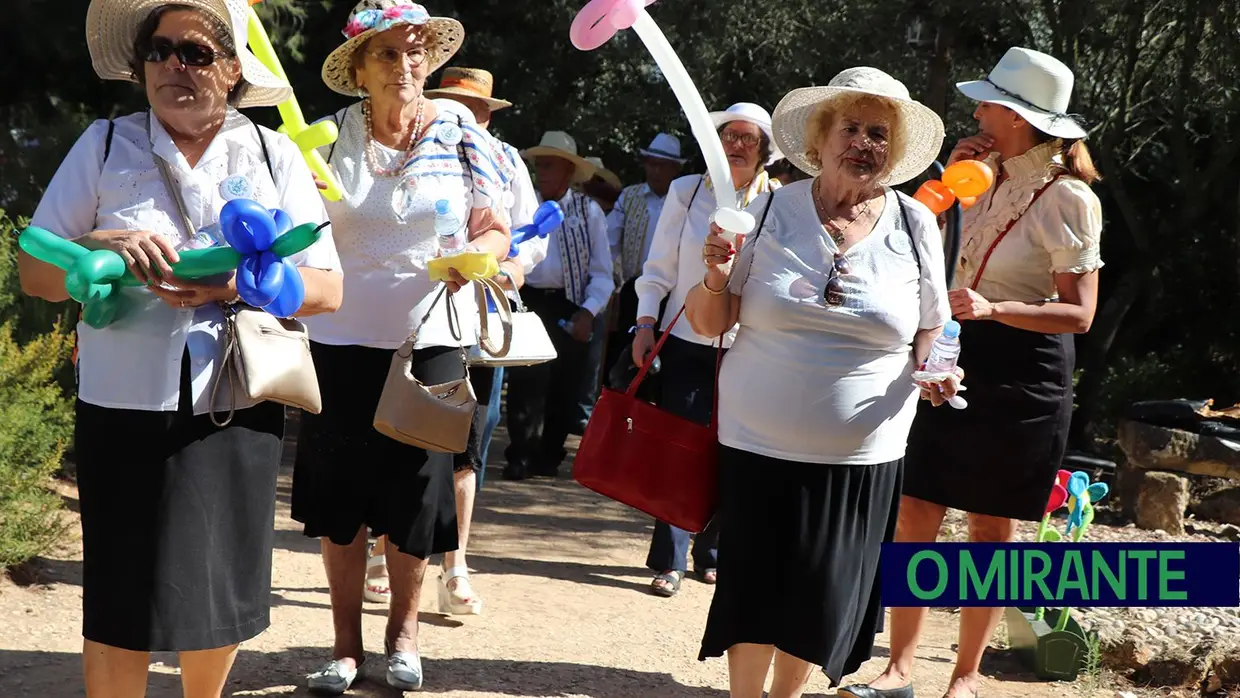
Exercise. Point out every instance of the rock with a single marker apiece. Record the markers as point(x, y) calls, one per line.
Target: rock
point(1213, 683)
point(1159, 448)
point(1175, 667)
point(1227, 669)
point(1230, 532)
point(1223, 506)
point(1161, 501)
point(1124, 652)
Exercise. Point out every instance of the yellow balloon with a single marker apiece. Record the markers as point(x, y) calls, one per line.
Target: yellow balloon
point(308, 138)
point(474, 266)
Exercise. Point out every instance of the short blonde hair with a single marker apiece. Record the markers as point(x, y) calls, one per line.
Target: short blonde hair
point(824, 117)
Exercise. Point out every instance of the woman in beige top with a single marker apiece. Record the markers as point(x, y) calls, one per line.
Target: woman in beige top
point(1025, 284)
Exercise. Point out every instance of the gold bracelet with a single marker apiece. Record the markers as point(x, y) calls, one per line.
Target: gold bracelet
point(712, 291)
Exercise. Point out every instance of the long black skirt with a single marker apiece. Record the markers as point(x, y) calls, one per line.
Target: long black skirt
point(799, 545)
point(998, 456)
point(177, 524)
point(347, 475)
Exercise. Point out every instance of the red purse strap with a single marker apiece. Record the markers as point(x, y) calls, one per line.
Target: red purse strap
point(1011, 224)
point(658, 346)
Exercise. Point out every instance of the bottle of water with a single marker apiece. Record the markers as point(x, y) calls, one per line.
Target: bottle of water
point(448, 229)
point(209, 236)
point(945, 350)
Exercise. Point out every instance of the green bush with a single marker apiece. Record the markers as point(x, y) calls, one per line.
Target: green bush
point(36, 416)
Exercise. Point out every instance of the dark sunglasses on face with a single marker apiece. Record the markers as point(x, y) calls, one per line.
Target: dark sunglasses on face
point(833, 294)
point(189, 53)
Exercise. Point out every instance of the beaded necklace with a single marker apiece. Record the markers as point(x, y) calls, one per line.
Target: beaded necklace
point(372, 161)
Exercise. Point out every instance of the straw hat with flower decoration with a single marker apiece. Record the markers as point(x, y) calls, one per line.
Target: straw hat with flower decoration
point(444, 36)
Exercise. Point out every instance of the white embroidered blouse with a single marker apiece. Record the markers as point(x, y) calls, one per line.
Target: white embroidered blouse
point(1059, 233)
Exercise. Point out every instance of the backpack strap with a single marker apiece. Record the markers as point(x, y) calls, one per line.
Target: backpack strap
point(107, 140)
point(262, 141)
point(908, 228)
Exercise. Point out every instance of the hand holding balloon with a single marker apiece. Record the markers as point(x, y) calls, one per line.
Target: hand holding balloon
point(264, 278)
point(547, 218)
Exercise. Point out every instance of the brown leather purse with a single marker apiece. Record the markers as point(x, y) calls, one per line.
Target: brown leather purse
point(431, 417)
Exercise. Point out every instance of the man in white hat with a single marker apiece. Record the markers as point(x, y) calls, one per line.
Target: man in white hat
point(631, 227)
point(568, 290)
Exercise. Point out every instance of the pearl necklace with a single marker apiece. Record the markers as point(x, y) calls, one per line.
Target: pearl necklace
point(372, 161)
point(834, 229)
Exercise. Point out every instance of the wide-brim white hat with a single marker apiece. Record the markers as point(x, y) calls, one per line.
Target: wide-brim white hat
point(1034, 85)
point(921, 130)
point(607, 175)
point(751, 113)
point(112, 27)
point(369, 17)
point(558, 144)
point(665, 146)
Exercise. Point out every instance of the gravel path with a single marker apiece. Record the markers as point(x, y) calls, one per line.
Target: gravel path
point(567, 615)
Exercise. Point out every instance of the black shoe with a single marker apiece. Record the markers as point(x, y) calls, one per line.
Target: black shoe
point(864, 691)
point(546, 470)
point(517, 470)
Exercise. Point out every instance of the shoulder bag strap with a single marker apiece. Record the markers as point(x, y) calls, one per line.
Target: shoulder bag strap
point(908, 229)
point(262, 141)
point(503, 309)
point(977, 278)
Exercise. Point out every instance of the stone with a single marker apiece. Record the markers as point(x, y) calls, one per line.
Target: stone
point(1161, 501)
point(1175, 667)
point(1230, 532)
point(1159, 448)
point(1227, 669)
point(1124, 652)
point(1222, 506)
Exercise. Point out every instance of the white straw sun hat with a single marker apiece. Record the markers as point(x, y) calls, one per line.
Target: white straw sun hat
point(754, 114)
point(370, 17)
point(558, 144)
point(921, 130)
point(1034, 85)
point(112, 27)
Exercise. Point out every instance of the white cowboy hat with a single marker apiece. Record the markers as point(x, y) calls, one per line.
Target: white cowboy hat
point(921, 130)
point(370, 17)
point(754, 114)
point(558, 144)
point(607, 175)
point(112, 27)
point(1034, 85)
point(665, 146)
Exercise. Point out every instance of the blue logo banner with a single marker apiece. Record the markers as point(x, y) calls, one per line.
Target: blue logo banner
point(1060, 574)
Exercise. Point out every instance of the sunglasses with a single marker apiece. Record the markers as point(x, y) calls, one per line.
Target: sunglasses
point(747, 139)
point(833, 294)
point(189, 53)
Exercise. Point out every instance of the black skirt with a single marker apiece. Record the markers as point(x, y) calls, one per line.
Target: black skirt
point(176, 524)
point(347, 475)
point(799, 545)
point(998, 456)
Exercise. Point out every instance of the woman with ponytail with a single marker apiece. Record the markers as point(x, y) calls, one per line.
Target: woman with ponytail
point(1026, 283)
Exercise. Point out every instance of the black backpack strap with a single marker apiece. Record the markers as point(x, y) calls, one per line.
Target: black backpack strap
point(107, 140)
point(908, 228)
point(262, 141)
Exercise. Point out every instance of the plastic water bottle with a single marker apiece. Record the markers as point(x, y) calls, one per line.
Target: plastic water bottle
point(210, 236)
point(945, 350)
point(448, 229)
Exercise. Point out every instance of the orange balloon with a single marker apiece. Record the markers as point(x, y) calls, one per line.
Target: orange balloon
point(935, 196)
point(254, 2)
point(969, 178)
point(966, 202)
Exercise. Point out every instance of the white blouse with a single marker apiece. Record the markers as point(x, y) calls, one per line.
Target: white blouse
point(1060, 233)
point(135, 363)
point(811, 383)
point(387, 287)
point(675, 264)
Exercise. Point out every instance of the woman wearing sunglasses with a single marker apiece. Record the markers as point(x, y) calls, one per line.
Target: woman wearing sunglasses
point(671, 270)
point(398, 158)
point(176, 511)
point(839, 293)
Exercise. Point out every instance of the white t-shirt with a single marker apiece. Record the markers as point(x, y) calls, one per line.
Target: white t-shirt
point(135, 362)
point(810, 383)
point(387, 287)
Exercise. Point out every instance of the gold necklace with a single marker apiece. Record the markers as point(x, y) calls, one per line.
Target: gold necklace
point(828, 221)
point(372, 160)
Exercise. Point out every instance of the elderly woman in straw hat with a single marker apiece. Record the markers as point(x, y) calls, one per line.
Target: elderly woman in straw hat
point(839, 293)
point(673, 268)
point(1034, 236)
point(176, 511)
point(402, 164)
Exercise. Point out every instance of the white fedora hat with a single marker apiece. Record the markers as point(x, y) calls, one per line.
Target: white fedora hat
point(754, 114)
point(558, 144)
point(921, 130)
point(665, 146)
point(1034, 85)
point(112, 27)
point(607, 175)
point(369, 17)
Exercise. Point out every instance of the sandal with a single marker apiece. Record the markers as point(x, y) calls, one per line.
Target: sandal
point(377, 589)
point(404, 670)
point(666, 584)
point(707, 576)
point(458, 599)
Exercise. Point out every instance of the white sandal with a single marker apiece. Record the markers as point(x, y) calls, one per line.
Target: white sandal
point(461, 600)
point(376, 593)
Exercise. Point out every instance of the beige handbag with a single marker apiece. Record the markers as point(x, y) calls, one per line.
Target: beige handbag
point(530, 344)
point(432, 417)
point(503, 317)
point(270, 358)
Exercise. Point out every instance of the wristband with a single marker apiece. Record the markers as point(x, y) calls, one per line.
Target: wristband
point(712, 291)
point(642, 326)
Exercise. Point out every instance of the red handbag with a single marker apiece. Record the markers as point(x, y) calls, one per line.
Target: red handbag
point(650, 459)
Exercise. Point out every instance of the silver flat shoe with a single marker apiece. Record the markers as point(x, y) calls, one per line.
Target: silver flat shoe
point(404, 671)
point(333, 679)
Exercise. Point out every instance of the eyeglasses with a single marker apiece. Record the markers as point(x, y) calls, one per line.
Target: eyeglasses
point(833, 294)
point(189, 53)
point(417, 56)
point(747, 139)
